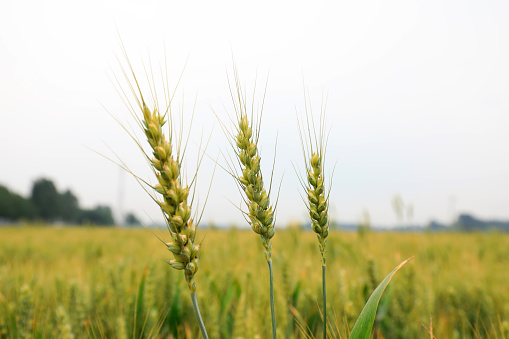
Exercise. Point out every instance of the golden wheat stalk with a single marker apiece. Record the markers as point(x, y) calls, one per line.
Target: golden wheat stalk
point(313, 148)
point(244, 140)
point(166, 163)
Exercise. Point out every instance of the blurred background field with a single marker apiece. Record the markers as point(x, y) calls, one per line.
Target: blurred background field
point(113, 283)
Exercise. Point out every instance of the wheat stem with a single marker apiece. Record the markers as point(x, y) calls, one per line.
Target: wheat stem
point(272, 307)
point(324, 303)
point(198, 316)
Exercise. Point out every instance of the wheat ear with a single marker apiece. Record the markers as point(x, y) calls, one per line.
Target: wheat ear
point(260, 212)
point(166, 162)
point(313, 146)
point(174, 205)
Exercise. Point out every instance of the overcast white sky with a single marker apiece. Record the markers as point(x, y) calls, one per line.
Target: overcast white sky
point(418, 98)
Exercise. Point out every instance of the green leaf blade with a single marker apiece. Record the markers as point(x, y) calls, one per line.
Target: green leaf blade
point(364, 324)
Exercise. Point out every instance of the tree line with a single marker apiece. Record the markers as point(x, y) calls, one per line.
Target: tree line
point(48, 205)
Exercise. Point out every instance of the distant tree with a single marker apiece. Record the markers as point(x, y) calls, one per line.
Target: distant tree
point(101, 215)
point(46, 199)
point(69, 207)
point(5, 203)
point(14, 206)
point(468, 223)
point(22, 208)
point(132, 220)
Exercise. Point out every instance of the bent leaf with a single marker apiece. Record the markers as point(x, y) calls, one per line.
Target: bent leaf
point(364, 324)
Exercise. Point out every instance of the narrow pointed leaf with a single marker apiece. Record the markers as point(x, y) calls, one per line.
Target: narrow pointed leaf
point(364, 324)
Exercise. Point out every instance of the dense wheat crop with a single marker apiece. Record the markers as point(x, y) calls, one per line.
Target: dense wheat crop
point(113, 283)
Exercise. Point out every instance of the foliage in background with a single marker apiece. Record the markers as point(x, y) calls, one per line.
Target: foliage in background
point(14, 206)
point(100, 215)
point(131, 220)
point(46, 200)
point(47, 204)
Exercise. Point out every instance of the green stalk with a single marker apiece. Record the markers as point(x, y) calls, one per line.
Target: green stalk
point(198, 316)
point(324, 303)
point(272, 308)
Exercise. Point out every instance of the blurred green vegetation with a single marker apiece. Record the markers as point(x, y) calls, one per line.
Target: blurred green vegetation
point(47, 204)
point(113, 283)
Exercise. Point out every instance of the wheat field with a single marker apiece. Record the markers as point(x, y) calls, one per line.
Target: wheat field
point(114, 283)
